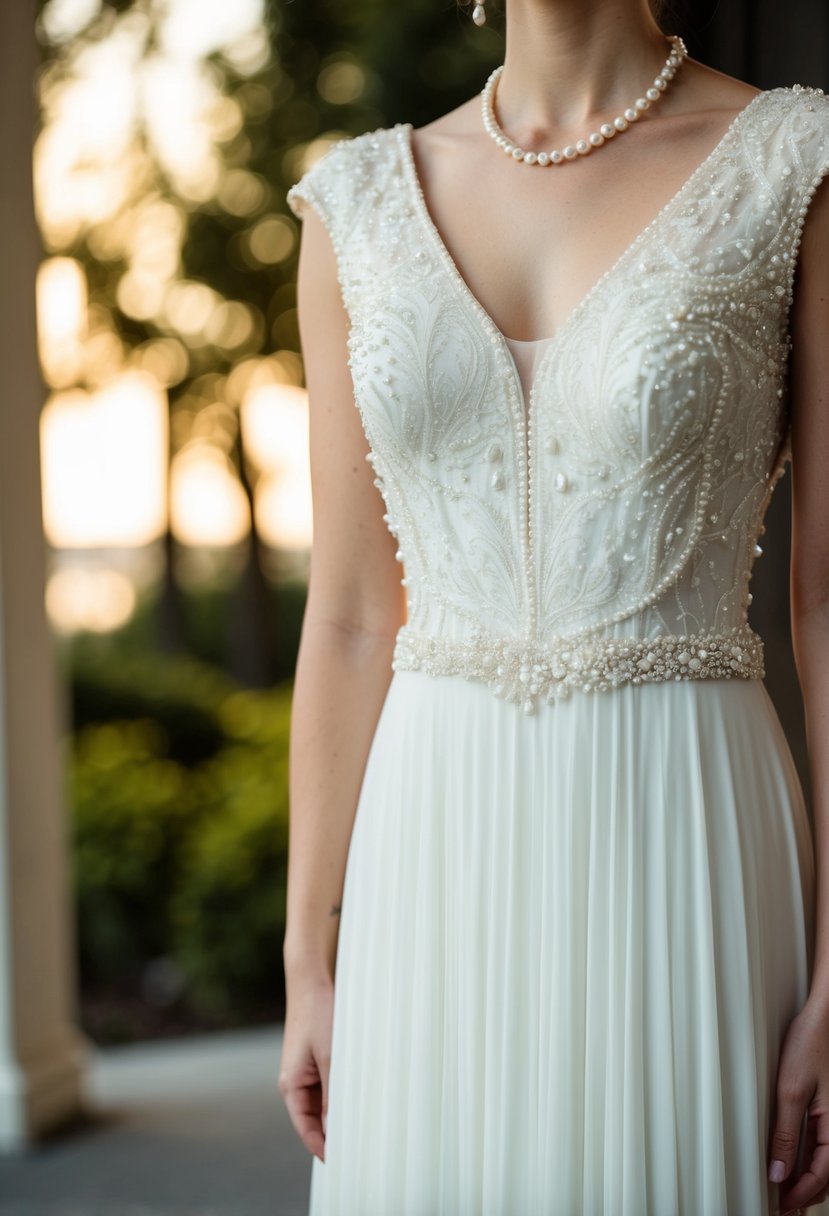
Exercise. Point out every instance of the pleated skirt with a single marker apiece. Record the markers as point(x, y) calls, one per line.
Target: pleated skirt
point(570, 946)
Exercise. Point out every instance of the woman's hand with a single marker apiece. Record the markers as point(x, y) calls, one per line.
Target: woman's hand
point(802, 1089)
point(306, 1054)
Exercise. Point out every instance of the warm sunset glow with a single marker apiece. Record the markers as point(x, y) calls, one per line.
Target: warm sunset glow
point(275, 426)
point(98, 600)
point(188, 307)
point(104, 457)
point(197, 28)
point(208, 504)
point(176, 98)
point(283, 510)
point(63, 19)
point(134, 131)
point(61, 319)
point(87, 164)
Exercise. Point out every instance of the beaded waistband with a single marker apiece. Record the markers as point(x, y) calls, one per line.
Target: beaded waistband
point(525, 673)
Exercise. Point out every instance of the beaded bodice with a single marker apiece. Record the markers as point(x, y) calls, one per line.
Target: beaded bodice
point(603, 526)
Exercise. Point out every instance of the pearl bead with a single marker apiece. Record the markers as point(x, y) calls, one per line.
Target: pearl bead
point(670, 449)
point(595, 140)
point(526, 672)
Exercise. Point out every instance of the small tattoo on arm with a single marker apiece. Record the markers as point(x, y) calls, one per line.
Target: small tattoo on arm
point(336, 909)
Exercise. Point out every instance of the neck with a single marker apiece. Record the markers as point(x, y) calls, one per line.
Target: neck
point(568, 62)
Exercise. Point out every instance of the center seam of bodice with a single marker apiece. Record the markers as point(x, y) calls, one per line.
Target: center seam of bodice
point(523, 418)
point(527, 354)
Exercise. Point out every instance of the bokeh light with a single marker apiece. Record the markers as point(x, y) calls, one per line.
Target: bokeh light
point(61, 319)
point(275, 423)
point(207, 505)
point(98, 600)
point(154, 367)
point(104, 457)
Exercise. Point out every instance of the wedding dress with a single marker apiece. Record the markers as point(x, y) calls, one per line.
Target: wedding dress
point(578, 905)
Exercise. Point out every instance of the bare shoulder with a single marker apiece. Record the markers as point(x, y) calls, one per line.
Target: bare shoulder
point(706, 89)
point(453, 136)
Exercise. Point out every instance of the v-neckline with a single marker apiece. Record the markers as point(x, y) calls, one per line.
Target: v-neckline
point(525, 421)
point(405, 132)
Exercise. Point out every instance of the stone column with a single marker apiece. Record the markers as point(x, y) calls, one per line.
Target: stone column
point(41, 1053)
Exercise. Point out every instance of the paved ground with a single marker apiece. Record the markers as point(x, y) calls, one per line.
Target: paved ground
point(192, 1127)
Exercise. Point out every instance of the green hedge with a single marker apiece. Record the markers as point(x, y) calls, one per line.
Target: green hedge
point(181, 835)
point(132, 811)
point(232, 894)
point(182, 694)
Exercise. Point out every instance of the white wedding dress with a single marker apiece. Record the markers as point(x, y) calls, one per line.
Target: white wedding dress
point(578, 905)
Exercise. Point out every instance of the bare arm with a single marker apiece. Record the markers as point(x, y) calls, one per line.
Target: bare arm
point(355, 605)
point(802, 1087)
point(810, 538)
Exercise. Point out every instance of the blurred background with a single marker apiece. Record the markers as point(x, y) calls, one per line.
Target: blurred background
point(155, 524)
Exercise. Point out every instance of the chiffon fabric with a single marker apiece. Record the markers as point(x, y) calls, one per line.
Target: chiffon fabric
point(570, 946)
point(578, 911)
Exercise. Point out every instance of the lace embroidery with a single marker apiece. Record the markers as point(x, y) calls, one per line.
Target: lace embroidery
point(627, 494)
point(523, 674)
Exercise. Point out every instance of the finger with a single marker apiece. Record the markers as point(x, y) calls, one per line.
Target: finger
point(814, 1178)
point(808, 1146)
point(304, 1104)
point(791, 1107)
point(804, 1186)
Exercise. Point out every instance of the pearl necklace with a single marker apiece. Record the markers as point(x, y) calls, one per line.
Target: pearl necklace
point(597, 138)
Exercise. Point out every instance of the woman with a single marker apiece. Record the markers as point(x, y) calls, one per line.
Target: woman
point(544, 816)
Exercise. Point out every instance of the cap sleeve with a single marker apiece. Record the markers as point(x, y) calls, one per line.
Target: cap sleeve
point(805, 162)
point(812, 142)
point(344, 186)
point(320, 187)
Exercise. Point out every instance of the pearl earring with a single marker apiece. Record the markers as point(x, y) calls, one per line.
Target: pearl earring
point(479, 13)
